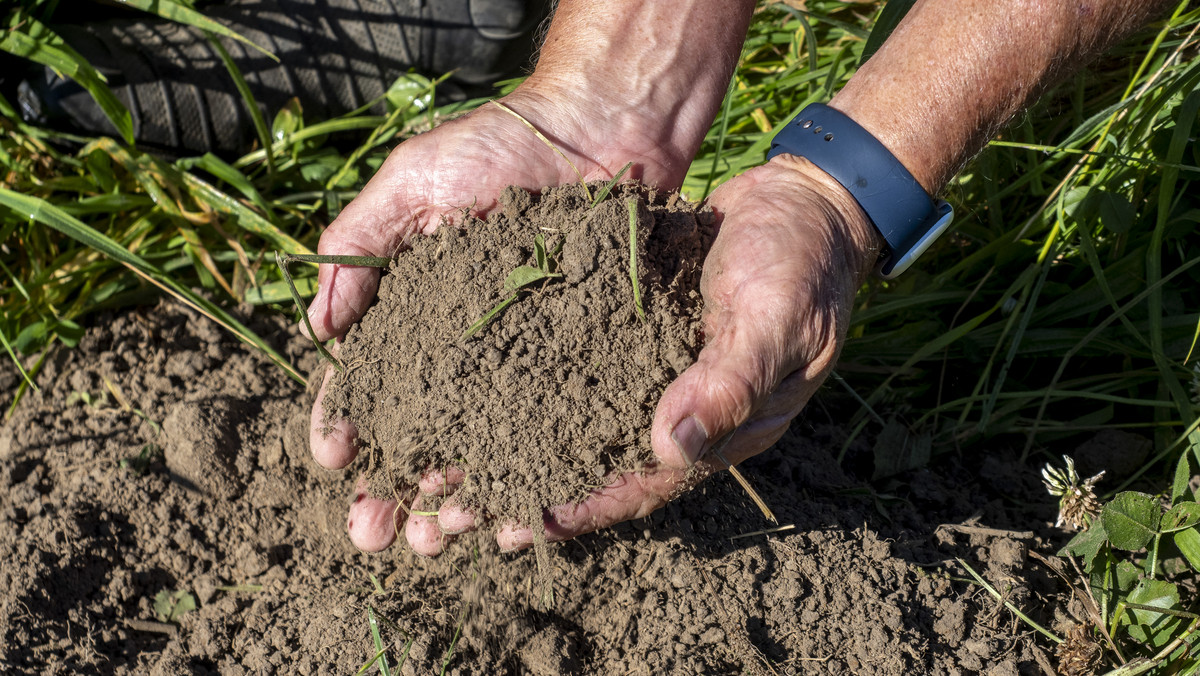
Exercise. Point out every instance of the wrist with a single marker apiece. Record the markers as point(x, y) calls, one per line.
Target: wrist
point(601, 134)
point(850, 231)
point(631, 81)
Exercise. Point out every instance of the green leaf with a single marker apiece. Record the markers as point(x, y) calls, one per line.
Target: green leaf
point(32, 338)
point(1147, 625)
point(68, 332)
point(1116, 212)
point(51, 216)
point(1181, 516)
point(288, 120)
point(49, 49)
point(1188, 542)
point(1087, 544)
point(1131, 520)
point(170, 9)
point(409, 90)
point(1183, 478)
point(170, 606)
point(523, 276)
point(539, 252)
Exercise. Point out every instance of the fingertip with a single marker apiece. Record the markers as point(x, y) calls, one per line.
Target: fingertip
point(453, 519)
point(333, 443)
point(423, 534)
point(371, 522)
point(512, 537)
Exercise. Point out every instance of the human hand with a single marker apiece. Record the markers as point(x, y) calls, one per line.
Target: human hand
point(461, 165)
point(779, 282)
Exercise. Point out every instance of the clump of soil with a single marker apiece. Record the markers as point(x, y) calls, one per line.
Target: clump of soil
point(558, 390)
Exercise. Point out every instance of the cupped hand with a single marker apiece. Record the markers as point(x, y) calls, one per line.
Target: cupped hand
point(462, 165)
point(792, 249)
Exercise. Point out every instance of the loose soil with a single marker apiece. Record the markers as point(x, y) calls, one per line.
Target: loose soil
point(557, 391)
point(208, 488)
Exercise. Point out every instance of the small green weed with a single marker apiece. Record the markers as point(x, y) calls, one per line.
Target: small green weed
point(138, 464)
point(1136, 554)
point(169, 606)
point(543, 269)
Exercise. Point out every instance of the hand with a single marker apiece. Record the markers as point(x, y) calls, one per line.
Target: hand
point(792, 249)
point(463, 164)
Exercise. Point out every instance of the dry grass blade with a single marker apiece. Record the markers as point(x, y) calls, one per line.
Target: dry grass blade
point(548, 143)
point(737, 474)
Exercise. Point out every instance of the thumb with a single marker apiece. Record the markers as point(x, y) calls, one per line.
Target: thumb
point(734, 373)
point(344, 292)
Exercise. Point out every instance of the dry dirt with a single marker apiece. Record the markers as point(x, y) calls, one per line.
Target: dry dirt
point(557, 391)
point(232, 511)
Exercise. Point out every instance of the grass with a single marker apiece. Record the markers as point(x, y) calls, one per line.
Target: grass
point(1064, 303)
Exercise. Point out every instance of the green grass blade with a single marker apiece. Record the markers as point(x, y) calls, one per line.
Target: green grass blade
point(361, 261)
point(383, 663)
point(633, 251)
point(889, 17)
point(47, 214)
point(369, 663)
point(260, 123)
point(610, 185)
point(247, 218)
point(13, 355)
point(999, 597)
point(721, 134)
point(170, 9)
point(49, 50)
point(277, 292)
point(483, 321)
point(226, 172)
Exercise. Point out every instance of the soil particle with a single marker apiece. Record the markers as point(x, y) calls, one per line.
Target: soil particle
point(558, 390)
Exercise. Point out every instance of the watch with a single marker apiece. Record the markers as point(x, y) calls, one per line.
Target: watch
point(893, 200)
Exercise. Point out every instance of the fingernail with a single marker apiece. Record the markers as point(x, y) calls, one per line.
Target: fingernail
point(689, 437)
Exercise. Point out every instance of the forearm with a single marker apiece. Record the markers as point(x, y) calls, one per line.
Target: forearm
point(645, 78)
point(955, 71)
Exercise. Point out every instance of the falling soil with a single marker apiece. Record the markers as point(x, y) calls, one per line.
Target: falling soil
point(557, 391)
point(189, 471)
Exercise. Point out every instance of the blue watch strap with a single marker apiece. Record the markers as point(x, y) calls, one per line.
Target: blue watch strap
point(893, 200)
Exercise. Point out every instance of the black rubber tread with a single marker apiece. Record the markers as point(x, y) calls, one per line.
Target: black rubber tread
point(335, 55)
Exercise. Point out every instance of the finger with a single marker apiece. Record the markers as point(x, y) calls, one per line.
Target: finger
point(371, 522)
point(454, 519)
point(375, 223)
point(332, 443)
point(732, 374)
point(422, 532)
point(441, 483)
point(630, 496)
